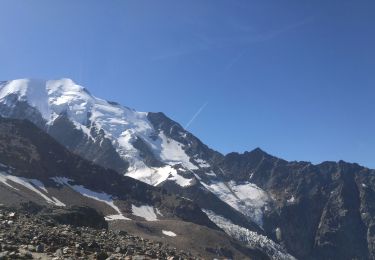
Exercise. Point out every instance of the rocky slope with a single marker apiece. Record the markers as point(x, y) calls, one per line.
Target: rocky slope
point(310, 211)
point(31, 236)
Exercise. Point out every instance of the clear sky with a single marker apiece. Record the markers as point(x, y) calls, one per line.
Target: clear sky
point(296, 78)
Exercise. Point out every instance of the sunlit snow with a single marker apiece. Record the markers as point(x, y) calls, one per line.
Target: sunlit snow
point(169, 233)
point(291, 200)
point(145, 211)
point(247, 198)
point(155, 176)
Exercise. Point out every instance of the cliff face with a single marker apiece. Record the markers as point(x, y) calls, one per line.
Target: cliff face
point(320, 211)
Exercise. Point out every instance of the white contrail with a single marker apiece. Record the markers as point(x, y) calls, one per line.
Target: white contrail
point(196, 115)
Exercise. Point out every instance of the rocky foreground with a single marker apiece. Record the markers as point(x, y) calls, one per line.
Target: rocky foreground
point(29, 236)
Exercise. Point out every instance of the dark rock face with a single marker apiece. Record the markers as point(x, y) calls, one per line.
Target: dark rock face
point(321, 211)
point(78, 217)
point(341, 225)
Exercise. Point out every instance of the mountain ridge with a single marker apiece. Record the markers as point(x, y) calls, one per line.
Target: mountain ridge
point(303, 207)
point(164, 116)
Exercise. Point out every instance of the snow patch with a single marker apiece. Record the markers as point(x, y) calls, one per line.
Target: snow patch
point(145, 211)
point(246, 198)
point(158, 212)
point(291, 200)
point(155, 176)
point(38, 184)
point(211, 173)
point(171, 151)
point(202, 163)
point(116, 217)
point(169, 233)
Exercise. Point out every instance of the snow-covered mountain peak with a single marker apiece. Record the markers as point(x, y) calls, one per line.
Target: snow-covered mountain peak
point(54, 97)
point(50, 97)
point(121, 125)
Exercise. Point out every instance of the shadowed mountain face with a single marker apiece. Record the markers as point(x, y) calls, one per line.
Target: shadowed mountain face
point(319, 211)
point(310, 211)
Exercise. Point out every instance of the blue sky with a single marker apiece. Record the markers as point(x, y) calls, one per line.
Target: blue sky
point(296, 78)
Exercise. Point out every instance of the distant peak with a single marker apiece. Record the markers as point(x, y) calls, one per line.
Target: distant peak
point(257, 150)
point(260, 153)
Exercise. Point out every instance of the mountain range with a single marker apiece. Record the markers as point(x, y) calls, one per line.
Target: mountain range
point(61, 146)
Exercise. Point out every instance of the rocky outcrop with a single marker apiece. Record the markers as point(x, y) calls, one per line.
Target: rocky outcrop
point(76, 216)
